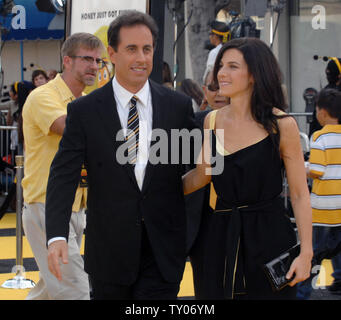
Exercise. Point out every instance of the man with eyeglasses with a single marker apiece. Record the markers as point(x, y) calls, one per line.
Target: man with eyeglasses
point(44, 115)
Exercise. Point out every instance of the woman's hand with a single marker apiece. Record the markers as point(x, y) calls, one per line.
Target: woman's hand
point(301, 268)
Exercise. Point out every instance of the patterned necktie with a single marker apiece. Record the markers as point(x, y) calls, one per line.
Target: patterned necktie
point(132, 137)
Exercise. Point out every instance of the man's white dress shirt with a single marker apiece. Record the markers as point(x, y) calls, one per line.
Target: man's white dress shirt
point(145, 112)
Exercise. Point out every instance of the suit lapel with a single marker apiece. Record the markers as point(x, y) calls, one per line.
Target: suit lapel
point(107, 110)
point(157, 101)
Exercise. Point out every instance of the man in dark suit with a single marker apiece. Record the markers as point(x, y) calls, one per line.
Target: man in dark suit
point(136, 222)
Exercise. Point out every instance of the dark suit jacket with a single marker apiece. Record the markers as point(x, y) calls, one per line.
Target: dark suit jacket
point(116, 205)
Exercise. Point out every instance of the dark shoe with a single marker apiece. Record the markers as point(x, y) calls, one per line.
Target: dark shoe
point(335, 288)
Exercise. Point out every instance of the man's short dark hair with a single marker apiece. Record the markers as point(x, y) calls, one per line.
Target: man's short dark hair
point(131, 18)
point(330, 100)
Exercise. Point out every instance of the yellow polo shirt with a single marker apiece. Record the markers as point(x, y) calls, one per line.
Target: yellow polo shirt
point(43, 106)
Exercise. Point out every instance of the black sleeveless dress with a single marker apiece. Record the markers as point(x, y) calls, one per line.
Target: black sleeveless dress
point(249, 226)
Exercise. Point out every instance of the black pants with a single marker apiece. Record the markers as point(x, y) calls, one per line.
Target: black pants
point(149, 285)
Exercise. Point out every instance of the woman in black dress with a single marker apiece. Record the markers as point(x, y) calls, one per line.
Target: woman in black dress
point(255, 141)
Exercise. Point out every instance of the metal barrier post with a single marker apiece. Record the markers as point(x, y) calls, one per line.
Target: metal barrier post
point(19, 281)
point(19, 161)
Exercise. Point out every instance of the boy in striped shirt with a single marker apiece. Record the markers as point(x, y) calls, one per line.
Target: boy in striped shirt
point(325, 170)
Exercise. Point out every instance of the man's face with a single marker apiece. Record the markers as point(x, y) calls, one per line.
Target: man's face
point(133, 59)
point(82, 68)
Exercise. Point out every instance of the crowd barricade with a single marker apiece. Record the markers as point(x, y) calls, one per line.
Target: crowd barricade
point(19, 281)
point(8, 150)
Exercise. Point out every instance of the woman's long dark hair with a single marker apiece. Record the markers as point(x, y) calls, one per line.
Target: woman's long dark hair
point(267, 91)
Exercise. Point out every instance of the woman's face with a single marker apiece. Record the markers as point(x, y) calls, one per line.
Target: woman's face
point(233, 76)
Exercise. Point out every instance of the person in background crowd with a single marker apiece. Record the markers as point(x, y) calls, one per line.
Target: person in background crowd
point(212, 99)
point(325, 170)
point(333, 75)
point(44, 115)
point(219, 34)
point(192, 89)
point(52, 74)
point(12, 116)
point(39, 77)
point(24, 89)
point(11, 105)
point(167, 78)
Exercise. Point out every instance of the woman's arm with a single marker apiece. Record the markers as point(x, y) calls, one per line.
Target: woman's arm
point(198, 177)
point(292, 155)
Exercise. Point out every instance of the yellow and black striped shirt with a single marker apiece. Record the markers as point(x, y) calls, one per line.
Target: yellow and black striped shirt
point(325, 161)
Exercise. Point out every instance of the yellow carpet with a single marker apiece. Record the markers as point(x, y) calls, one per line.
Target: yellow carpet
point(8, 251)
point(186, 288)
point(8, 248)
point(8, 221)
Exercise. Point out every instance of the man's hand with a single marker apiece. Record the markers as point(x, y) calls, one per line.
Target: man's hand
point(57, 250)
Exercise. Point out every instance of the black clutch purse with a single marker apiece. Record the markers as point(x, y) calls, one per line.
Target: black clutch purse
point(277, 268)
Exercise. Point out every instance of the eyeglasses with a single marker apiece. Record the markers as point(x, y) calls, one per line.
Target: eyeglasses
point(100, 62)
